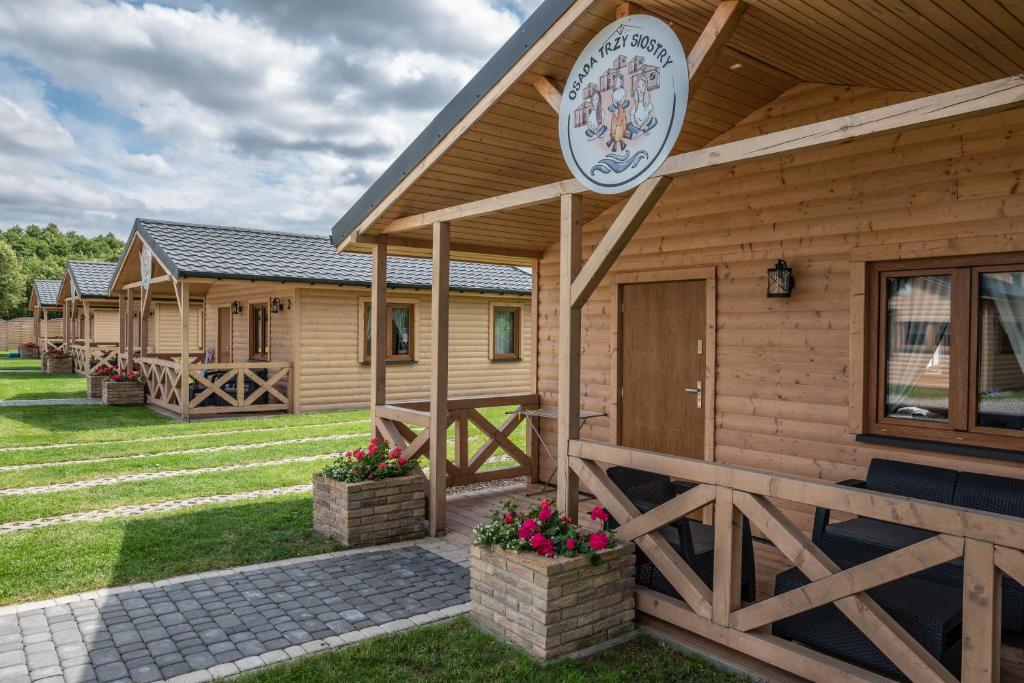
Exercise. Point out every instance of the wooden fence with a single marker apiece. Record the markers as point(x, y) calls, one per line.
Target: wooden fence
point(20, 330)
point(87, 358)
point(225, 388)
point(989, 544)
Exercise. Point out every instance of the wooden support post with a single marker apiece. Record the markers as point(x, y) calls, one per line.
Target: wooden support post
point(182, 291)
point(728, 558)
point(378, 331)
point(983, 610)
point(129, 334)
point(550, 92)
point(439, 378)
point(35, 325)
point(87, 334)
point(569, 353)
point(144, 321)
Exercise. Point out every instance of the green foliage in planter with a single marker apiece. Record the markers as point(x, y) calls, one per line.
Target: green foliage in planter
point(377, 461)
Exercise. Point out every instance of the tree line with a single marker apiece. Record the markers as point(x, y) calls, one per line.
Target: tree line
point(34, 253)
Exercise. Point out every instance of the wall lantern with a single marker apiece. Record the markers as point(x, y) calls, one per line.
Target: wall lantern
point(236, 307)
point(780, 281)
point(275, 305)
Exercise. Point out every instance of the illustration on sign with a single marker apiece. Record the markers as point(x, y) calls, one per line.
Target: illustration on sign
point(624, 105)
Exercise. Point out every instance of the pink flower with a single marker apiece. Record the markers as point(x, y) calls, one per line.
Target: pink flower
point(370, 477)
point(358, 455)
point(599, 513)
point(528, 528)
point(570, 544)
point(402, 461)
point(544, 504)
point(598, 541)
point(544, 514)
point(542, 545)
point(348, 454)
point(382, 466)
point(566, 518)
point(372, 449)
point(374, 441)
point(509, 518)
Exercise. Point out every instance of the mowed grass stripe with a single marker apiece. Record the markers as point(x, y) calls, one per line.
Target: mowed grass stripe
point(40, 506)
point(256, 433)
point(48, 425)
point(166, 474)
point(73, 558)
point(41, 475)
point(30, 386)
point(201, 447)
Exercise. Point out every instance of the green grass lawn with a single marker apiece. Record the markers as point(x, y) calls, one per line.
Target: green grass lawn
point(457, 651)
point(24, 386)
point(66, 444)
point(18, 363)
point(71, 558)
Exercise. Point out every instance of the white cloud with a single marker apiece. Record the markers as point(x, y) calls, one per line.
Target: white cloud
point(276, 114)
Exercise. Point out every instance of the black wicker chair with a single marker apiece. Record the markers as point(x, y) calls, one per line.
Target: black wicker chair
point(861, 539)
point(694, 541)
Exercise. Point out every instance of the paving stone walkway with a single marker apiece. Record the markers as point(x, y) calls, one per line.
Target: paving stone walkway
point(205, 626)
point(51, 402)
point(132, 510)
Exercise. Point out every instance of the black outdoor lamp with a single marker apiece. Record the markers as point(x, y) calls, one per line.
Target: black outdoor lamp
point(275, 305)
point(236, 307)
point(780, 281)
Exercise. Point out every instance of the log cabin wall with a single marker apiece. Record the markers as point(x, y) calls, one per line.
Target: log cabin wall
point(784, 367)
point(332, 375)
point(165, 327)
point(224, 292)
point(106, 325)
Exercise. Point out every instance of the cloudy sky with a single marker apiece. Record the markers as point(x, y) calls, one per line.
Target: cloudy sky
point(265, 113)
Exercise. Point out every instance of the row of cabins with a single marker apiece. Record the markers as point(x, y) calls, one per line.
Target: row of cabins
point(873, 147)
point(275, 321)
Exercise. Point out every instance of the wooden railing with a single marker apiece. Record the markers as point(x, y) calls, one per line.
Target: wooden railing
point(218, 387)
point(395, 422)
point(88, 358)
point(989, 544)
point(47, 345)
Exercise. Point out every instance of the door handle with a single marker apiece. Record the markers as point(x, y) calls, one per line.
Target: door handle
point(699, 390)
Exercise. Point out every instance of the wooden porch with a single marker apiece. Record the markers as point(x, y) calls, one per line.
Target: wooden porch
point(88, 356)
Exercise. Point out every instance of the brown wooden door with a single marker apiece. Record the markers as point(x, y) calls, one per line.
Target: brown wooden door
point(224, 335)
point(661, 333)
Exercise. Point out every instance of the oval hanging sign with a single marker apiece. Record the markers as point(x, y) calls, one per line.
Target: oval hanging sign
point(624, 104)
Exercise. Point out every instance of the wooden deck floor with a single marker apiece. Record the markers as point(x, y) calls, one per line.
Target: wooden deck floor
point(466, 510)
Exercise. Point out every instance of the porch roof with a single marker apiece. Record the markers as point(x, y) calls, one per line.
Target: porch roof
point(499, 134)
point(196, 250)
point(45, 292)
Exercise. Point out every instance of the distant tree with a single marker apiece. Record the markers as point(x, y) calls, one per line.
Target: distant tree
point(43, 253)
point(12, 283)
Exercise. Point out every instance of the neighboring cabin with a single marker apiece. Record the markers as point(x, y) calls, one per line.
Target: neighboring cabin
point(294, 312)
point(91, 322)
point(43, 302)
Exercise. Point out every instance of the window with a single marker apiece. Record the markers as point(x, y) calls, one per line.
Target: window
point(401, 344)
point(948, 364)
point(259, 332)
point(505, 332)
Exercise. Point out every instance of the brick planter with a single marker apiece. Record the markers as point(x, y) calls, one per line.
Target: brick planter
point(552, 607)
point(124, 393)
point(94, 384)
point(28, 351)
point(370, 512)
point(56, 366)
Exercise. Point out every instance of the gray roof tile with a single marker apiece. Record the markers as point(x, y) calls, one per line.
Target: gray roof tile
point(243, 253)
point(46, 291)
point(92, 278)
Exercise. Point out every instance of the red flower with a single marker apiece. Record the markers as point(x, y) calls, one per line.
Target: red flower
point(370, 477)
point(372, 449)
point(544, 504)
point(358, 454)
point(598, 541)
point(382, 466)
point(509, 518)
point(374, 441)
point(402, 461)
point(544, 514)
point(599, 513)
point(528, 528)
point(566, 518)
point(542, 545)
point(570, 544)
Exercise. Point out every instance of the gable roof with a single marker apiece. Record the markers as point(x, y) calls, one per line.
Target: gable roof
point(91, 278)
point(196, 250)
point(46, 291)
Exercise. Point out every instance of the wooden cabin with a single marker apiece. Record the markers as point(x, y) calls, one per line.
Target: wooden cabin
point(876, 149)
point(91, 319)
point(43, 301)
point(288, 314)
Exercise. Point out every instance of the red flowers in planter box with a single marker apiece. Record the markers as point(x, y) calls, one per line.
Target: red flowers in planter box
point(105, 371)
point(28, 345)
point(57, 354)
point(542, 530)
point(377, 461)
point(127, 376)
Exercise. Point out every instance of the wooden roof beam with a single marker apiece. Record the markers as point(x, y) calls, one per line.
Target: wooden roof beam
point(551, 93)
point(975, 100)
point(712, 41)
point(463, 247)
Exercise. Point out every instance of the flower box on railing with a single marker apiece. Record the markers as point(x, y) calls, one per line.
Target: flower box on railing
point(380, 500)
point(570, 592)
point(96, 380)
point(124, 389)
point(28, 350)
point(58, 362)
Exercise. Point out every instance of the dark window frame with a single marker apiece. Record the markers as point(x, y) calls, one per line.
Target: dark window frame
point(965, 303)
